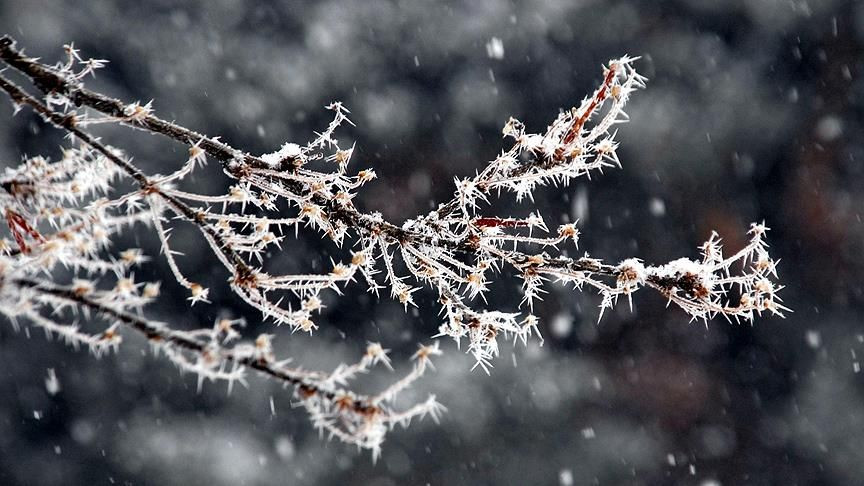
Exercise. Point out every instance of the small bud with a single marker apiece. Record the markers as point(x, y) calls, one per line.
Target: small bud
point(238, 194)
point(513, 128)
point(358, 259)
point(306, 325)
point(535, 260)
point(366, 175)
point(131, 256)
point(82, 288)
point(195, 152)
point(340, 271)
point(125, 286)
point(569, 231)
point(151, 290)
point(312, 304)
point(198, 292)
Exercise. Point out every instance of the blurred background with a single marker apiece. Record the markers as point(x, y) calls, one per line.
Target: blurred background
point(753, 112)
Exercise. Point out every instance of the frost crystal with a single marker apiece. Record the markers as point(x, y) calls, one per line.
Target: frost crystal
point(69, 214)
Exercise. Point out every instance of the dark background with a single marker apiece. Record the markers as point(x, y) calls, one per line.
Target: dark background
point(753, 111)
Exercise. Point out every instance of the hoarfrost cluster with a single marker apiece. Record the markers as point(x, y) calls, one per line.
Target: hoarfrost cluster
point(59, 264)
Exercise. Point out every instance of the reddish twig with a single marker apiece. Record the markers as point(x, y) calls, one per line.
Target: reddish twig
point(500, 223)
point(19, 227)
point(601, 94)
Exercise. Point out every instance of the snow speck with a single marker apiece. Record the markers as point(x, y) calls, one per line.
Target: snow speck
point(829, 128)
point(561, 325)
point(495, 48)
point(82, 432)
point(565, 477)
point(588, 433)
point(814, 339)
point(657, 207)
point(285, 447)
point(52, 384)
point(579, 205)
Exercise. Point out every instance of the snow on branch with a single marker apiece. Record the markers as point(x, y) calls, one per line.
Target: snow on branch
point(66, 214)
